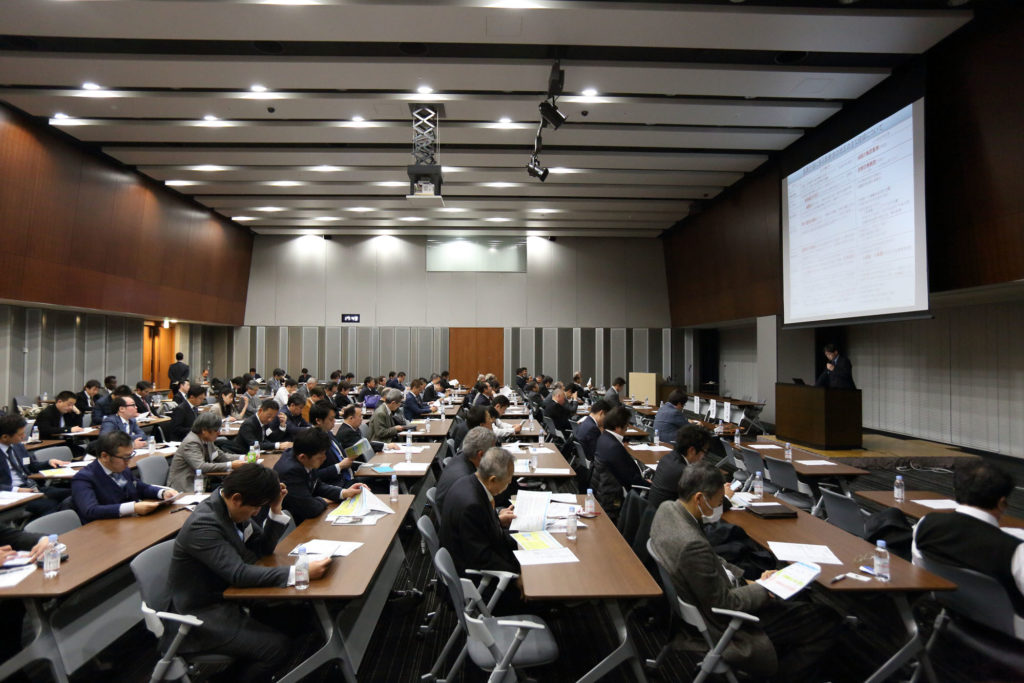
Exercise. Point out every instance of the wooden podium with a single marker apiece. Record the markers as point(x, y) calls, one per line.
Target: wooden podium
point(818, 417)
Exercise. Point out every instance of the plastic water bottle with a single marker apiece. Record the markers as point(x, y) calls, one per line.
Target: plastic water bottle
point(151, 444)
point(789, 451)
point(408, 437)
point(198, 486)
point(393, 489)
point(51, 559)
point(589, 504)
point(720, 427)
point(34, 436)
point(408, 455)
point(45, 396)
point(758, 485)
point(881, 561)
point(657, 439)
point(736, 437)
point(899, 489)
point(302, 570)
point(570, 524)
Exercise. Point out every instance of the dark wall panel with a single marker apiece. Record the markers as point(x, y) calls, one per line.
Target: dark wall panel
point(78, 231)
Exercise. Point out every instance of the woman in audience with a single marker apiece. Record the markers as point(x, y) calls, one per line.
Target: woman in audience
point(225, 405)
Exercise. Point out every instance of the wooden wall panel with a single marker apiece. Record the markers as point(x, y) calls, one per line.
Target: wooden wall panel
point(475, 350)
point(77, 230)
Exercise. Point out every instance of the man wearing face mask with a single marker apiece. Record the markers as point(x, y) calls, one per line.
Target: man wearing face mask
point(791, 637)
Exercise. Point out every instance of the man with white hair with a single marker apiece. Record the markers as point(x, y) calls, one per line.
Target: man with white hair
point(383, 424)
point(559, 408)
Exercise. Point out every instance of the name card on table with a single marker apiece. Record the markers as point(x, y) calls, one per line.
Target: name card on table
point(713, 409)
point(728, 412)
point(696, 404)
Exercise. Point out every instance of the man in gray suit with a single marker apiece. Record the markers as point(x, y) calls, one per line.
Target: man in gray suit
point(612, 396)
point(383, 423)
point(791, 637)
point(197, 452)
point(219, 541)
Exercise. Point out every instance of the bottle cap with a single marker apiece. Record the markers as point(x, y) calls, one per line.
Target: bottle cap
point(881, 543)
point(590, 492)
point(302, 550)
point(899, 477)
point(53, 538)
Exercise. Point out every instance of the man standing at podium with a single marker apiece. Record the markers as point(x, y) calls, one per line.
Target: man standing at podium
point(838, 372)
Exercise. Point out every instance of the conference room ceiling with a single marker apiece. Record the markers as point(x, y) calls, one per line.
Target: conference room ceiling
point(668, 103)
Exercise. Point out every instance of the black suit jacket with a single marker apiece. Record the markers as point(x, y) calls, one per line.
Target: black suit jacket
point(181, 421)
point(839, 378)
point(665, 482)
point(559, 414)
point(430, 394)
point(587, 433)
point(306, 492)
point(481, 400)
point(48, 422)
point(471, 532)
point(143, 405)
point(82, 403)
point(619, 461)
point(457, 468)
point(348, 437)
point(19, 540)
point(177, 372)
point(209, 557)
point(25, 463)
point(251, 430)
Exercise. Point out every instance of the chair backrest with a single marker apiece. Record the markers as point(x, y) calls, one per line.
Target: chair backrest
point(782, 474)
point(451, 448)
point(364, 430)
point(752, 462)
point(844, 513)
point(730, 455)
point(47, 454)
point(442, 451)
point(23, 402)
point(446, 570)
point(59, 523)
point(687, 612)
point(978, 597)
point(153, 470)
point(632, 512)
point(151, 568)
point(87, 421)
point(429, 534)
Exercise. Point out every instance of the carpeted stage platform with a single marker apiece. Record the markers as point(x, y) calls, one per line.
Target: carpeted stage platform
point(882, 452)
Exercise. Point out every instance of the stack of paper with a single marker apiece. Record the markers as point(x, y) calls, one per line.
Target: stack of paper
point(8, 497)
point(803, 552)
point(12, 577)
point(937, 504)
point(656, 448)
point(411, 449)
point(540, 547)
point(818, 463)
point(325, 548)
point(763, 446)
point(357, 509)
point(59, 472)
point(192, 499)
point(411, 467)
point(790, 580)
point(531, 510)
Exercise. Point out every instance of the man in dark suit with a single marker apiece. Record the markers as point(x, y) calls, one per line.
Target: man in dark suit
point(349, 433)
point(692, 444)
point(123, 420)
point(178, 371)
point(590, 427)
point(612, 395)
point(369, 389)
point(413, 407)
point(614, 468)
point(445, 384)
point(185, 414)
point(470, 528)
point(142, 391)
point(104, 407)
point(59, 418)
point(433, 390)
point(791, 637)
point(16, 465)
point(559, 408)
point(478, 416)
point(533, 395)
point(522, 376)
point(396, 381)
point(477, 442)
point(670, 417)
point(298, 469)
point(86, 398)
point(265, 427)
point(217, 548)
point(106, 487)
point(294, 422)
point(179, 392)
point(838, 373)
point(484, 392)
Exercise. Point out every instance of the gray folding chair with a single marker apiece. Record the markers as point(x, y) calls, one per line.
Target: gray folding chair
point(153, 470)
point(87, 421)
point(844, 513)
point(150, 569)
point(59, 523)
point(713, 662)
point(729, 460)
point(44, 455)
point(364, 430)
point(783, 476)
point(754, 463)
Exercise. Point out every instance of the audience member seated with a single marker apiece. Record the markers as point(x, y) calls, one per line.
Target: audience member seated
point(614, 468)
point(396, 381)
point(792, 636)
point(299, 468)
point(216, 549)
point(349, 434)
point(86, 398)
point(670, 418)
point(109, 384)
point(252, 400)
point(590, 427)
point(340, 398)
point(445, 380)
point(185, 414)
point(478, 416)
point(17, 465)
point(224, 407)
point(255, 375)
point(502, 430)
point(266, 428)
point(464, 463)
point(613, 395)
point(60, 417)
point(304, 376)
point(294, 423)
point(484, 392)
point(290, 387)
point(104, 407)
point(970, 537)
point(576, 387)
point(316, 395)
point(142, 391)
point(123, 420)
point(414, 408)
point(276, 381)
point(306, 387)
point(198, 452)
point(369, 389)
point(179, 391)
point(382, 423)
point(106, 487)
point(434, 390)
point(522, 377)
point(337, 468)
point(692, 445)
point(560, 408)
point(533, 395)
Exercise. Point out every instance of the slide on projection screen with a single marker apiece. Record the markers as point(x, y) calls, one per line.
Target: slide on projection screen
point(853, 227)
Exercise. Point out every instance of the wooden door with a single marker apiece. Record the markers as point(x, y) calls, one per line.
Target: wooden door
point(157, 353)
point(476, 350)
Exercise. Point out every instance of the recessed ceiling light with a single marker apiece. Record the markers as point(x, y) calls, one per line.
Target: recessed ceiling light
point(561, 170)
point(180, 183)
point(546, 210)
point(504, 119)
point(256, 87)
point(270, 209)
point(361, 209)
point(243, 218)
point(497, 219)
point(424, 90)
point(325, 168)
point(89, 85)
point(501, 184)
point(391, 183)
point(210, 117)
point(284, 183)
point(452, 209)
point(515, 4)
point(452, 169)
point(291, 2)
point(412, 219)
point(358, 119)
point(326, 218)
point(209, 168)
point(589, 92)
point(61, 115)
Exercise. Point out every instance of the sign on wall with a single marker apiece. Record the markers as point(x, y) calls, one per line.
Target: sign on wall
point(349, 317)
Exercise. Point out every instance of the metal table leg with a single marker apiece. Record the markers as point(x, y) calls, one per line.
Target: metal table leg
point(912, 649)
point(626, 650)
point(43, 646)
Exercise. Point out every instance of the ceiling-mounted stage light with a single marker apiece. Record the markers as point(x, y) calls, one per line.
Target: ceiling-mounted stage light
point(535, 170)
point(552, 117)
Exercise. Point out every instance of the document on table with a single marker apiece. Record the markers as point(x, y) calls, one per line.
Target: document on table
point(741, 499)
point(803, 552)
point(357, 506)
point(58, 472)
point(12, 577)
point(939, 504)
point(536, 540)
point(192, 499)
point(411, 467)
point(763, 446)
point(522, 466)
point(821, 463)
point(790, 580)
point(554, 556)
point(325, 548)
point(531, 510)
point(649, 447)
point(569, 498)
point(552, 471)
point(8, 497)
point(411, 449)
